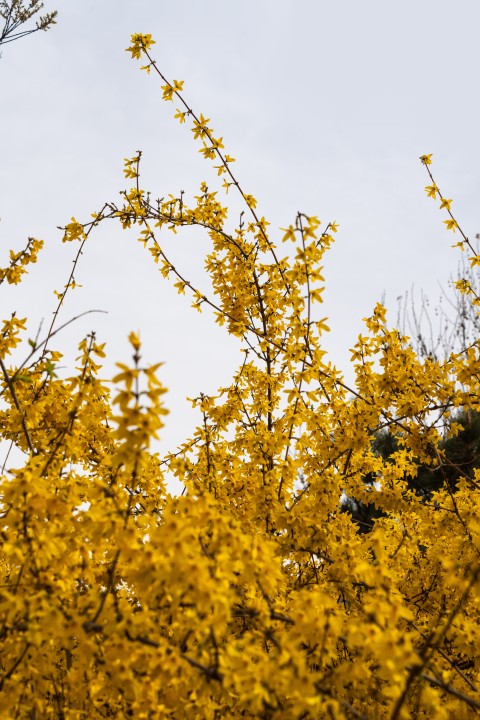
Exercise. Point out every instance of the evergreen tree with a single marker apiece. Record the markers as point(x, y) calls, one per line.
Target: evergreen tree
point(460, 456)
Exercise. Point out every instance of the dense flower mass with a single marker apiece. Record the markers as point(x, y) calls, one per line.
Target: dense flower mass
point(253, 594)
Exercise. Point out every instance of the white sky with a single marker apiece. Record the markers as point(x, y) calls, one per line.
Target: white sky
point(326, 106)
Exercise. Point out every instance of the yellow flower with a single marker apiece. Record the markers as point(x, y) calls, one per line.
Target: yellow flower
point(140, 43)
point(451, 224)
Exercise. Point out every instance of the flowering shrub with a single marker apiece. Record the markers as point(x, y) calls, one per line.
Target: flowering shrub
point(251, 595)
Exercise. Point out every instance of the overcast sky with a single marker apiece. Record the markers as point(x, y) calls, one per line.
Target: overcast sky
point(327, 107)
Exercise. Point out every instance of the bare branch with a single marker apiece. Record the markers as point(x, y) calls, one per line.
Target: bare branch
point(16, 13)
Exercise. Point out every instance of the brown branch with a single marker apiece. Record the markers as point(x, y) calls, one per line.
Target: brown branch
point(452, 691)
point(11, 387)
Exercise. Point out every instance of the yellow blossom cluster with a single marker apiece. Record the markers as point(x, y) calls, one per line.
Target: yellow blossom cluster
point(250, 595)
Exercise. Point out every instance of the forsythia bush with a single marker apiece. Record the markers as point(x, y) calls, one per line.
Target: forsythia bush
point(251, 595)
